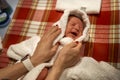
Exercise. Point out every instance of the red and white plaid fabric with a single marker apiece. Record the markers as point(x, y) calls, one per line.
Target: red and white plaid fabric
point(36, 17)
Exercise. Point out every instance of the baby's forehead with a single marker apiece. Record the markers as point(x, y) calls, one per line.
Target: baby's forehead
point(77, 16)
point(74, 21)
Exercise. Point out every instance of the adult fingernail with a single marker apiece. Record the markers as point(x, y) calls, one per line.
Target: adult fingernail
point(76, 42)
point(83, 42)
point(58, 43)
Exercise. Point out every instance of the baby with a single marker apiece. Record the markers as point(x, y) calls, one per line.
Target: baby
point(74, 27)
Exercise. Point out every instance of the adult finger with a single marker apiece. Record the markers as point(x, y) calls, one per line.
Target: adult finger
point(54, 35)
point(51, 34)
point(52, 30)
point(79, 45)
point(55, 47)
point(72, 44)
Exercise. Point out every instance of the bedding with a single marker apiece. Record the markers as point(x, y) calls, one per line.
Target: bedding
point(85, 5)
point(35, 17)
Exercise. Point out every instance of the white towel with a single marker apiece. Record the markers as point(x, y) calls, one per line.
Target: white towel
point(62, 24)
point(89, 69)
point(90, 6)
point(86, 69)
point(18, 51)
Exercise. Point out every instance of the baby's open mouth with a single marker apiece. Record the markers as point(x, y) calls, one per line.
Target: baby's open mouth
point(74, 33)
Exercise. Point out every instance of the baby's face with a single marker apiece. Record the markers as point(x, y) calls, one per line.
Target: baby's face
point(74, 28)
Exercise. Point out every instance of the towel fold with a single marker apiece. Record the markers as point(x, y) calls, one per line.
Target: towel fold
point(20, 50)
point(90, 6)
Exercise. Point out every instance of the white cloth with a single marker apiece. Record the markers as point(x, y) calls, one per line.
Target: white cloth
point(86, 69)
point(89, 69)
point(90, 6)
point(18, 51)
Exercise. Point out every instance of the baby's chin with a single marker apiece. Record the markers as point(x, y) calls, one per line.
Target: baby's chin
point(71, 36)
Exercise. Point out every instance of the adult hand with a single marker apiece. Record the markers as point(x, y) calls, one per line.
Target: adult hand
point(69, 55)
point(45, 49)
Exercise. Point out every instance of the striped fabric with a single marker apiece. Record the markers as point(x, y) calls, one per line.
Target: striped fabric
point(35, 17)
point(4, 60)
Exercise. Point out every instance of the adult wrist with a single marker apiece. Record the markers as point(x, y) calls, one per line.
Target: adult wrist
point(59, 66)
point(36, 61)
point(27, 63)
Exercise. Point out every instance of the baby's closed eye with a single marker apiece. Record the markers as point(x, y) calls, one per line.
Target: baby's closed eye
point(72, 24)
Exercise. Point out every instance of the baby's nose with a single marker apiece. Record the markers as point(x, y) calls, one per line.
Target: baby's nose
point(77, 27)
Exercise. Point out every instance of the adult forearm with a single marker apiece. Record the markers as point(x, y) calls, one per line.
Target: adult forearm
point(54, 73)
point(13, 72)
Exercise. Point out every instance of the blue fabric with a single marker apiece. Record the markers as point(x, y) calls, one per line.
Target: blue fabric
point(6, 21)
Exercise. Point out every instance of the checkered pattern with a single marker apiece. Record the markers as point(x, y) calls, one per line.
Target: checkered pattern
point(35, 17)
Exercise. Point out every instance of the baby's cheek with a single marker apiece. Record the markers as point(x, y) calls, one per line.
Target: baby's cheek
point(81, 28)
point(80, 33)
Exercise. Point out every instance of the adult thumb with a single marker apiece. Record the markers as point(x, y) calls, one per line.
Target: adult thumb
point(55, 47)
point(79, 45)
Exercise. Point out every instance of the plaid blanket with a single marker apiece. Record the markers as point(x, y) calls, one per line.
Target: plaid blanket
point(35, 17)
